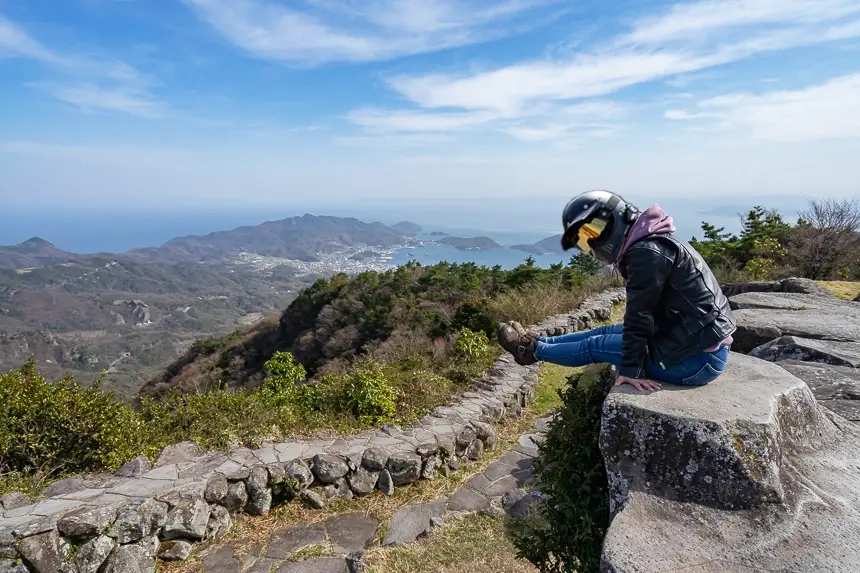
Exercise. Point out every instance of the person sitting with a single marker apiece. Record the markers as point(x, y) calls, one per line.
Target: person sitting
point(677, 325)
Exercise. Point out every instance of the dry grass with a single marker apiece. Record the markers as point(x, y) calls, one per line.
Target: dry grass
point(248, 532)
point(532, 304)
point(845, 290)
point(473, 544)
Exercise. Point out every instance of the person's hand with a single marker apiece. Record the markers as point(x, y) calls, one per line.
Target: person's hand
point(638, 383)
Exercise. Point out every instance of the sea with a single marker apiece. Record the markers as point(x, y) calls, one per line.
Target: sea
point(429, 254)
point(85, 231)
point(88, 233)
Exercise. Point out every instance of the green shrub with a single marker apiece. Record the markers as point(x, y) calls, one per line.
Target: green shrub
point(59, 427)
point(368, 395)
point(472, 346)
point(217, 418)
point(283, 373)
point(566, 533)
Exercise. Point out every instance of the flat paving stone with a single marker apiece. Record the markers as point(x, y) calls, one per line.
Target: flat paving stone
point(140, 487)
point(83, 495)
point(478, 482)
point(67, 485)
point(55, 506)
point(168, 472)
point(411, 522)
point(467, 499)
point(222, 560)
point(529, 451)
point(229, 467)
point(263, 565)
point(283, 544)
point(524, 476)
point(267, 455)
point(497, 470)
point(321, 565)
point(501, 487)
point(351, 532)
point(516, 459)
point(21, 511)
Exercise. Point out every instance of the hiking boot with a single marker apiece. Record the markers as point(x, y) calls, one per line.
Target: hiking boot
point(516, 340)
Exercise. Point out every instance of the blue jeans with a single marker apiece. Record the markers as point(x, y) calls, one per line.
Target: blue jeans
point(603, 344)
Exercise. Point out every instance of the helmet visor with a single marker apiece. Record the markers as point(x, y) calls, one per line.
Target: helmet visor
point(587, 232)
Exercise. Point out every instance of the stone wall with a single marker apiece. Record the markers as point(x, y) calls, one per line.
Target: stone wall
point(123, 523)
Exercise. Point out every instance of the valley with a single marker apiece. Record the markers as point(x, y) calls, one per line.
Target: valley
point(126, 316)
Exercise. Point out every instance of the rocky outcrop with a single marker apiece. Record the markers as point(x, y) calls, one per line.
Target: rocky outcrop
point(793, 284)
point(745, 474)
point(763, 317)
point(836, 388)
point(809, 350)
point(758, 471)
point(192, 495)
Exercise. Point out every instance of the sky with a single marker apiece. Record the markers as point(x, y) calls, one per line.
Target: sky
point(486, 108)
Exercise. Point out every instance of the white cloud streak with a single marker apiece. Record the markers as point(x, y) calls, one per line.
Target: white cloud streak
point(686, 39)
point(827, 111)
point(321, 31)
point(89, 84)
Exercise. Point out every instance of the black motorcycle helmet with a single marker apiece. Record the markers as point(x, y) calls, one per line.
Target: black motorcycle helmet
point(596, 223)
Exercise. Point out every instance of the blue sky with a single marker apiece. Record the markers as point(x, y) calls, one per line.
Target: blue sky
point(254, 103)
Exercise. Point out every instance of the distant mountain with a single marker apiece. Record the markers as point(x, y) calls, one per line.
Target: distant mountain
point(31, 253)
point(407, 228)
point(471, 243)
point(298, 238)
point(548, 246)
point(133, 313)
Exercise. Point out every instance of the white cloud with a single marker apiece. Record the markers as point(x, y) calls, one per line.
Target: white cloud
point(686, 39)
point(91, 98)
point(88, 83)
point(319, 31)
point(827, 111)
point(540, 122)
point(694, 21)
point(387, 120)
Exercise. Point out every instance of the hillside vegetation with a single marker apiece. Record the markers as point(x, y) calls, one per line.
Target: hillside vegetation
point(348, 353)
point(823, 244)
point(130, 314)
point(409, 315)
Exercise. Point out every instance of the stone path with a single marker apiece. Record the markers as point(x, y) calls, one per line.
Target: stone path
point(345, 538)
point(124, 521)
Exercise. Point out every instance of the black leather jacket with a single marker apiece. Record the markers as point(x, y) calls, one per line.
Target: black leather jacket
point(675, 307)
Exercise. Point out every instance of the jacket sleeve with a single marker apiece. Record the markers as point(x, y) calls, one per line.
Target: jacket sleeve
point(647, 269)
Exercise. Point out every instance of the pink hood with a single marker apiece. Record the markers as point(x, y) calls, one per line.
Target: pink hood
point(653, 220)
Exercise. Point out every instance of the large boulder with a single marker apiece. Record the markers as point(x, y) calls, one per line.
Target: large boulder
point(762, 317)
point(745, 474)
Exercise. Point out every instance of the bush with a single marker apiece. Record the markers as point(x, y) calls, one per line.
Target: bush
point(566, 533)
point(368, 395)
point(280, 385)
point(472, 346)
point(60, 427)
point(217, 418)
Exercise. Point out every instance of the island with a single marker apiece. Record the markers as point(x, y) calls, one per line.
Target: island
point(471, 243)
